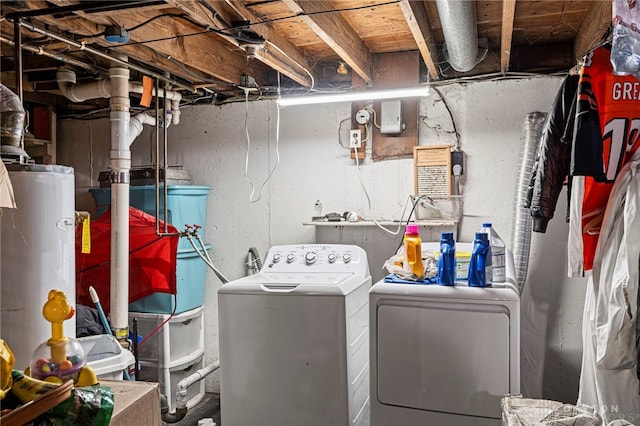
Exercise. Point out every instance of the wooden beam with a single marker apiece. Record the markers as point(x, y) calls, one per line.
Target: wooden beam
point(141, 53)
point(418, 21)
point(508, 14)
point(273, 58)
point(335, 31)
point(206, 52)
point(595, 22)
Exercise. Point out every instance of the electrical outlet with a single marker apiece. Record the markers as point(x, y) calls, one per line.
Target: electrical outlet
point(355, 140)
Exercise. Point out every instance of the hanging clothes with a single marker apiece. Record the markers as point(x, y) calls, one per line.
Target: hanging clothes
point(553, 158)
point(607, 125)
point(608, 380)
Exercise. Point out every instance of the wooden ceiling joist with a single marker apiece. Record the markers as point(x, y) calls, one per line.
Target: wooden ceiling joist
point(334, 30)
point(274, 59)
point(508, 14)
point(418, 21)
point(594, 25)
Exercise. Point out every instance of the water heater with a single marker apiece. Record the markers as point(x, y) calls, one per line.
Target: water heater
point(37, 254)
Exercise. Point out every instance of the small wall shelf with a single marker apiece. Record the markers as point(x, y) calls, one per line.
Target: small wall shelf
point(362, 223)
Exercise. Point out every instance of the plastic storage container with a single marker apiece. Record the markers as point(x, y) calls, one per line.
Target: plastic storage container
point(186, 204)
point(169, 377)
point(413, 251)
point(105, 356)
point(480, 266)
point(176, 341)
point(447, 260)
point(498, 250)
point(463, 258)
point(190, 287)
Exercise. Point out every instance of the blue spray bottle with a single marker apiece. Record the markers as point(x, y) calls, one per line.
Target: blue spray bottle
point(480, 265)
point(447, 261)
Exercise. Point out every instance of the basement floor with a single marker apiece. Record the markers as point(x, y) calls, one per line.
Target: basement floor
point(209, 407)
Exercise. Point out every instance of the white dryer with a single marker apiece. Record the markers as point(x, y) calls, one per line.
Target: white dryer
point(294, 339)
point(443, 355)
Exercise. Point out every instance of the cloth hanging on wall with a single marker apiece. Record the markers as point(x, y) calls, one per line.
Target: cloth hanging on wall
point(608, 380)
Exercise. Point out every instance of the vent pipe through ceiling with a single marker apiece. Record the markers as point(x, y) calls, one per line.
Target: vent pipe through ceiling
point(460, 28)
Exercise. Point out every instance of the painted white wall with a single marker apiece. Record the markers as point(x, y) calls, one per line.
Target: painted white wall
point(211, 142)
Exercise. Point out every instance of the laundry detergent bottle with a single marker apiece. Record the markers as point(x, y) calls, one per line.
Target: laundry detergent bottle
point(413, 251)
point(498, 250)
point(447, 260)
point(480, 266)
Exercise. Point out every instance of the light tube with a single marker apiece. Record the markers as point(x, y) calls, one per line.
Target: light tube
point(359, 95)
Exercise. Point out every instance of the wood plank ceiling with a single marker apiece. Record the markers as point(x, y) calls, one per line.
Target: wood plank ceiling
point(215, 50)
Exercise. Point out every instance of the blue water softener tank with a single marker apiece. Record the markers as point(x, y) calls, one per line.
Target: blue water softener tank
point(480, 265)
point(447, 260)
point(186, 205)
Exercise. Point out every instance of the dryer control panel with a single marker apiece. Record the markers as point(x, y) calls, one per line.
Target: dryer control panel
point(316, 258)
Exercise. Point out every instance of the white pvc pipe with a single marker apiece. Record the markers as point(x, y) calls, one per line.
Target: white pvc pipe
point(82, 92)
point(102, 89)
point(136, 125)
point(120, 166)
point(124, 130)
point(172, 96)
point(184, 384)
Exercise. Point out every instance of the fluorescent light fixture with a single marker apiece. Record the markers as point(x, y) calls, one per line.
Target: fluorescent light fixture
point(359, 95)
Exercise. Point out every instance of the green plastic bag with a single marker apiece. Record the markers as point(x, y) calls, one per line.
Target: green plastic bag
point(87, 406)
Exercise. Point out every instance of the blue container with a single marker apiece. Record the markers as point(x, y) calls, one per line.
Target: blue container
point(191, 279)
point(480, 264)
point(447, 260)
point(187, 204)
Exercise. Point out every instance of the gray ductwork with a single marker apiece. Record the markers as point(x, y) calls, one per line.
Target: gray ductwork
point(460, 28)
point(12, 117)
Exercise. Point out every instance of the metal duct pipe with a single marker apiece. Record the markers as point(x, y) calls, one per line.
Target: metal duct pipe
point(460, 28)
point(12, 117)
point(521, 226)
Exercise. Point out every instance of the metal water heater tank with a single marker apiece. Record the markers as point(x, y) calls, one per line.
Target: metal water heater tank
point(37, 254)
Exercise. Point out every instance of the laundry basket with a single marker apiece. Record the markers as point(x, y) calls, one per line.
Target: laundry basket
point(519, 411)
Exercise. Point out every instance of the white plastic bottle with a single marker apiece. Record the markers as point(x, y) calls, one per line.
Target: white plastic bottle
point(498, 253)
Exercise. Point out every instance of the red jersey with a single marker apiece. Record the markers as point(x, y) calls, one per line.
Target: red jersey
point(606, 134)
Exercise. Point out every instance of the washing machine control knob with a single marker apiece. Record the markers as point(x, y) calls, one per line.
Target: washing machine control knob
point(276, 258)
point(346, 258)
point(331, 257)
point(291, 257)
point(310, 258)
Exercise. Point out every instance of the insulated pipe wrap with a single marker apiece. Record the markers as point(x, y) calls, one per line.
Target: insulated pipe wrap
point(522, 221)
point(460, 29)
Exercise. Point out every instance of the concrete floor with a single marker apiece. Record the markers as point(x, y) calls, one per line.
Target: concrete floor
point(209, 407)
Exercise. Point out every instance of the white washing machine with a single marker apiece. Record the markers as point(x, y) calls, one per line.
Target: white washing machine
point(294, 339)
point(443, 355)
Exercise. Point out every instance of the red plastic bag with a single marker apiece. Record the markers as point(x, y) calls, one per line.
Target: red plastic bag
point(152, 259)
